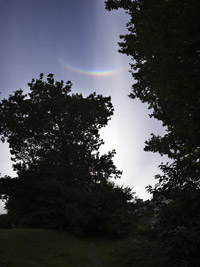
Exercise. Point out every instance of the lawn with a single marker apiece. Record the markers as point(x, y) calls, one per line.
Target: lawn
point(42, 248)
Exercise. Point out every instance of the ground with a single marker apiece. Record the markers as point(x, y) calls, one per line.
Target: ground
point(42, 248)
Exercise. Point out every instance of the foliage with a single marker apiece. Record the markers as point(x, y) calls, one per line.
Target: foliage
point(163, 41)
point(5, 221)
point(139, 252)
point(177, 222)
point(63, 181)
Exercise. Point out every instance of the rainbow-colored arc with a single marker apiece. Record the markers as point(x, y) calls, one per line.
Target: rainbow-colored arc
point(106, 72)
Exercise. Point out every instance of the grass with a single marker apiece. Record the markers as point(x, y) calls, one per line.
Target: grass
point(41, 248)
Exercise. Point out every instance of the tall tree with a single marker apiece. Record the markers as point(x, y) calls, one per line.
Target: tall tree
point(163, 41)
point(54, 140)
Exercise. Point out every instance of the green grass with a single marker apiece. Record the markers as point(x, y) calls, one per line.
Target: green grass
point(41, 248)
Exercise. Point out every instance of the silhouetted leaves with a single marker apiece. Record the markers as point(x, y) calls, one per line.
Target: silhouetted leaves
point(163, 41)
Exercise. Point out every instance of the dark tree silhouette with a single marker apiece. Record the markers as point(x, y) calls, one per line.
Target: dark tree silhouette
point(62, 178)
point(163, 41)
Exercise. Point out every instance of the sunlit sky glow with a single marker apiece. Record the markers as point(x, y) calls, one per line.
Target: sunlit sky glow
point(78, 41)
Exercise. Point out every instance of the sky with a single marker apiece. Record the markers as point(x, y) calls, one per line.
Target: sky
point(77, 40)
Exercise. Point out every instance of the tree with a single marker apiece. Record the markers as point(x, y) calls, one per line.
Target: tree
point(164, 44)
point(54, 140)
point(163, 41)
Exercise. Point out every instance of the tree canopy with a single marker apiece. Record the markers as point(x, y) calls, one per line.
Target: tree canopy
point(163, 41)
point(63, 181)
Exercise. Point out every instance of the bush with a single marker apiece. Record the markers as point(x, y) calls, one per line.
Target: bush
point(141, 252)
point(5, 221)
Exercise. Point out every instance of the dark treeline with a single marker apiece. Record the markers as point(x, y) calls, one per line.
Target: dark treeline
point(62, 180)
point(163, 40)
